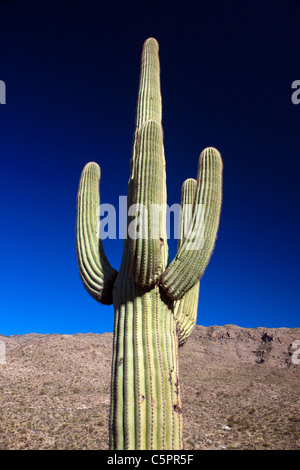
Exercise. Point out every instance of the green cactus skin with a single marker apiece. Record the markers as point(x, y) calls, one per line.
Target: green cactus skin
point(155, 302)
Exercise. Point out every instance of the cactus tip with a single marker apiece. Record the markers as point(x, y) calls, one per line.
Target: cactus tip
point(211, 151)
point(151, 42)
point(93, 167)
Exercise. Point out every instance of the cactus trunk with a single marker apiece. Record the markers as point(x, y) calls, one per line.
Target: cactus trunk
point(155, 302)
point(146, 406)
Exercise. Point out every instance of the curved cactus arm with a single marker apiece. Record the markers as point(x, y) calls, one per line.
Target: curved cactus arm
point(185, 312)
point(188, 193)
point(185, 309)
point(96, 273)
point(147, 233)
point(193, 255)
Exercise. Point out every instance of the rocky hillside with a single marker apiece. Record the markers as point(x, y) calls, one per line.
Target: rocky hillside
point(240, 390)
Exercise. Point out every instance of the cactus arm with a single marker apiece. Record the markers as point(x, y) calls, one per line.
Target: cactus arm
point(185, 309)
point(193, 255)
point(96, 273)
point(188, 193)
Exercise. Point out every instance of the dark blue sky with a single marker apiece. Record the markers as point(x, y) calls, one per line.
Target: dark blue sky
point(71, 70)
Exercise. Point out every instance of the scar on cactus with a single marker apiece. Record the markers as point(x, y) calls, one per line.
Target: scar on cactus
point(155, 302)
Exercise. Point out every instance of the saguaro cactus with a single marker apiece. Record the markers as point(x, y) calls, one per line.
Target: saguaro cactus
point(155, 302)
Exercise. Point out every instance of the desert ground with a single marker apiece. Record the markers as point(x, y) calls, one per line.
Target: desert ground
point(240, 389)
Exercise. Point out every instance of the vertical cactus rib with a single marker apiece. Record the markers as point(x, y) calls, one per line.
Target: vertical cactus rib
point(147, 227)
point(160, 393)
point(167, 367)
point(193, 256)
point(117, 408)
point(113, 444)
point(159, 382)
point(140, 371)
point(96, 273)
point(129, 390)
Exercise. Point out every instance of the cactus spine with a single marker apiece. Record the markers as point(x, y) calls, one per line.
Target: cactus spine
point(155, 302)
